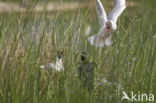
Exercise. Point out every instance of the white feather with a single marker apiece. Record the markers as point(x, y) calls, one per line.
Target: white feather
point(95, 40)
point(54, 66)
point(119, 7)
point(92, 39)
point(101, 13)
point(108, 41)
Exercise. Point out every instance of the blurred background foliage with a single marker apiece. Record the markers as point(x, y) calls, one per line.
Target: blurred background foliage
point(146, 3)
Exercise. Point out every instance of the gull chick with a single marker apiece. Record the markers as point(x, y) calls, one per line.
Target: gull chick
point(108, 23)
point(86, 71)
point(57, 66)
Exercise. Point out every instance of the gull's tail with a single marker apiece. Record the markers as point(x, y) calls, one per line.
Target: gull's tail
point(99, 41)
point(91, 39)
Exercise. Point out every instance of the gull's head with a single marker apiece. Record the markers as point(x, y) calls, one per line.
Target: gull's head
point(108, 25)
point(60, 54)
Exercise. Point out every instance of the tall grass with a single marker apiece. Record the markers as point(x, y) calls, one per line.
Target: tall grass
point(29, 40)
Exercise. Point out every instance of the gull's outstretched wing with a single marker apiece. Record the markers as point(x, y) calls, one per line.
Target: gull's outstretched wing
point(119, 7)
point(101, 12)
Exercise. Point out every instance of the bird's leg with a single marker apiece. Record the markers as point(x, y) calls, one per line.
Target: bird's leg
point(104, 41)
point(105, 44)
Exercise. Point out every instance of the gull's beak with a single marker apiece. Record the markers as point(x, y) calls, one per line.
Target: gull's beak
point(107, 29)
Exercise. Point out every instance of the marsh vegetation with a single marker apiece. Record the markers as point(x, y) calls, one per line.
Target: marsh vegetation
point(29, 39)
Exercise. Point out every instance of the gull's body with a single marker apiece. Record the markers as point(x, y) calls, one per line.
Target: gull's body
point(108, 23)
point(57, 66)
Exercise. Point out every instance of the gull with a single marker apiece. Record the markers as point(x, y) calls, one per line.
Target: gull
point(57, 66)
point(108, 23)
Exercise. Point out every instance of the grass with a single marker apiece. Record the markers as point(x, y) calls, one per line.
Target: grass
point(30, 39)
point(43, 0)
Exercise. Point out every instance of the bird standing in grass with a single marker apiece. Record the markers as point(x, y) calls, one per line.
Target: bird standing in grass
point(57, 66)
point(86, 72)
point(108, 23)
